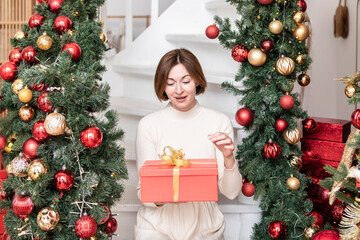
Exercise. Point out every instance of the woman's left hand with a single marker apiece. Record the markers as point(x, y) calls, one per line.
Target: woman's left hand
point(225, 144)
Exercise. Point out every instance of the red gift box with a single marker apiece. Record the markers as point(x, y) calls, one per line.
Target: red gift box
point(328, 129)
point(198, 182)
point(314, 167)
point(326, 150)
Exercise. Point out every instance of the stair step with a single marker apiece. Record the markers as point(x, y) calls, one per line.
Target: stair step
point(134, 106)
point(198, 38)
point(215, 4)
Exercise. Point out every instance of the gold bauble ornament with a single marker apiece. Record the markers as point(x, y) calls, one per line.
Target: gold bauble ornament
point(55, 124)
point(101, 22)
point(310, 232)
point(350, 90)
point(275, 27)
point(303, 80)
point(17, 85)
point(26, 113)
point(301, 32)
point(20, 166)
point(36, 170)
point(25, 95)
point(256, 57)
point(300, 59)
point(285, 66)
point(47, 218)
point(9, 144)
point(295, 161)
point(299, 17)
point(103, 37)
point(44, 42)
point(8, 169)
point(293, 183)
point(19, 35)
point(287, 87)
point(292, 136)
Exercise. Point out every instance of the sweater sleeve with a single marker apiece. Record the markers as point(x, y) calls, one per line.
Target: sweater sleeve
point(230, 180)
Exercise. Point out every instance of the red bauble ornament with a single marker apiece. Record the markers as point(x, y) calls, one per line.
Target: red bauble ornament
point(337, 211)
point(55, 5)
point(267, 46)
point(41, 1)
point(91, 137)
point(111, 226)
point(15, 56)
point(355, 118)
point(212, 31)
point(287, 101)
point(323, 194)
point(64, 180)
point(107, 215)
point(85, 227)
point(2, 142)
point(277, 229)
point(281, 124)
point(29, 148)
point(22, 205)
point(43, 102)
point(28, 54)
point(302, 5)
point(244, 116)
point(319, 221)
point(74, 50)
point(6, 237)
point(35, 20)
point(39, 132)
point(326, 235)
point(272, 150)
point(248, 189)
point(240, 53)
point(38, 87)
point(8, 71)
point(265, 2)
point(309, 124)
point(62, 24)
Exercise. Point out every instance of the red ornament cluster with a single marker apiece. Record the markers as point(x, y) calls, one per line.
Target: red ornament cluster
point(272, 150)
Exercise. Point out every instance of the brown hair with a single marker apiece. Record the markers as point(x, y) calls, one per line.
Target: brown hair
point(171, 59)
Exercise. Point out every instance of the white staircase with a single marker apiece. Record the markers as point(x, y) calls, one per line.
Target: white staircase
point(130, 75)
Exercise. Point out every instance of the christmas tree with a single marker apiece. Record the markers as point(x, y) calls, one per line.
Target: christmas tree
point(270, 42)
point(63, 161)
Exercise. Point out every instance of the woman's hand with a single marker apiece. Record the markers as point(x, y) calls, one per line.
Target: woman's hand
point(225, 144)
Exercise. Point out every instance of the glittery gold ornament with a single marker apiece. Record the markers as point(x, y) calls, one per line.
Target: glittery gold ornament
point(301, 32)
point(8, 169)
point(26, 113)
point(256, 57)
point(300, 59)
point(299, 17)
point(25, 95)
point(55, 124)
point(36, 170)
point(103, 37)
point(293, 183)
point(275, 27)
point(303, 80)
point(101, 22)
point(44, 42)
point(287, 87)
point(70, 32)
point(285, 66)
point(311, 231)
point(19, 35)
point(295, 161)
point(292, 136)
point(17, 85)
point(350, 90)
point(9, 144)
point(20, 166)
point(47, 218)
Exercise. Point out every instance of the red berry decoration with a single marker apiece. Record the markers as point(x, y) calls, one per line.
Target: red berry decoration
point(2, 142)
point(29, 148)
point(272, 150)
point(15, 56)
point(355, 118)
point(91, 137)
point(74, 50)
point(28, 54)
point(107, 215)
point(248, 189)
point(212, 31)
point(39, 132)
point(43, 102)
point(265, 2)
point(326, 235)
point(309, 124)
point(35, 20)
point(22, 205)
point(62, 24)
point(240, 53)
point(244, 116)
point(55, 5)
point(63, 179)
point(267, 46)
point(302, 4)
point(287, 102)
point(319, 221)
point(85, 227)
point(277, 229)
point(281, 124)
point(8, 71)
point(111, 226)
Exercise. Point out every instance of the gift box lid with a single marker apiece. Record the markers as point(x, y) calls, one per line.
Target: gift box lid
point(197, 167)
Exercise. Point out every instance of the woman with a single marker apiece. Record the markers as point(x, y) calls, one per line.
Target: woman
point(201, 133)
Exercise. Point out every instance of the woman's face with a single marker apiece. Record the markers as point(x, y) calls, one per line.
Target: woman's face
point(181, 88)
